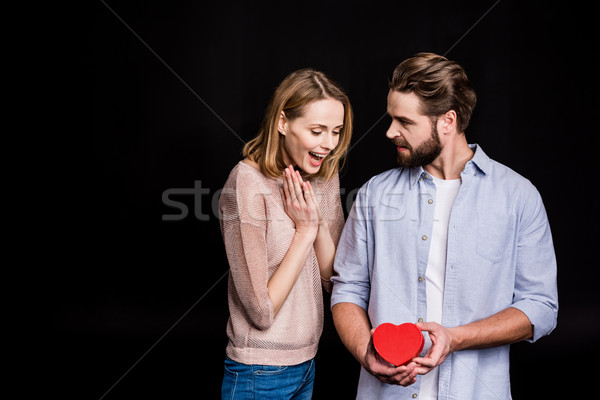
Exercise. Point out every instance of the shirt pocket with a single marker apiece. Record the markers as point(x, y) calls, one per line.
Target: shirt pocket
point(495, 233)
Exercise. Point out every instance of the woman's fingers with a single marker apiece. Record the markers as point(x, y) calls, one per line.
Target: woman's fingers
point(288, 185)
point(297, 185)
point(306, 193)
point(299, 197)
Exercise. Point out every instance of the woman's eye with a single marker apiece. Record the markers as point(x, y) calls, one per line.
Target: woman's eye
point(336, 133)
point(316, 132)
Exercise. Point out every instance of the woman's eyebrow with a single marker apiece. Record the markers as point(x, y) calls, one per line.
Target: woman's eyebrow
point(325, 126)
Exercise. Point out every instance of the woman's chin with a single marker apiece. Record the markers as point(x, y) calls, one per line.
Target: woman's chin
point(309, 168)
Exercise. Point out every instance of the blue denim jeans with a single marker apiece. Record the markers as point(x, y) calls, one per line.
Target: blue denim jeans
point(266, 382)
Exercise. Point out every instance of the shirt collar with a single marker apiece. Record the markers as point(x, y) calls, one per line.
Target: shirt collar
point(480, 160)
point(416, 174)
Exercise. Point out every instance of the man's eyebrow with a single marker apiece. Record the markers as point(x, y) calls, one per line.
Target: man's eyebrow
point(401, 118)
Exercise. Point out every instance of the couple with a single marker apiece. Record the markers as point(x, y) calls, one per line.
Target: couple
point(451, 240)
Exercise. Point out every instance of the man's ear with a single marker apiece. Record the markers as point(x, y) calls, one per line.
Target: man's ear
point(448, 122)
point(282, 125)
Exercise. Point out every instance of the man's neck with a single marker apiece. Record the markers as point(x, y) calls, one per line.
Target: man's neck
point(452, 160)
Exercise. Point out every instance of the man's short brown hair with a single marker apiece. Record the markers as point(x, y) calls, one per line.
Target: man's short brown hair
point(441, 84)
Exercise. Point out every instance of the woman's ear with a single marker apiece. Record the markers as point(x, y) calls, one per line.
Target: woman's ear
point(282, 126)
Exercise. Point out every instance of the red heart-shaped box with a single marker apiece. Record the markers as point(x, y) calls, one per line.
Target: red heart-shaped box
point(398, 344)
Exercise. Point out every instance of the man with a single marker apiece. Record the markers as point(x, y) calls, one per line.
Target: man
point(452, 241)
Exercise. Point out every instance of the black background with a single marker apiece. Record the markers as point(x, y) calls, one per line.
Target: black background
point(161, 97)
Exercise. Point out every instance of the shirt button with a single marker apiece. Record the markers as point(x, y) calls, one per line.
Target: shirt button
point(430, 201)
point(414, 395)
point(424, 237)
point(425, 176)
point(420, 279)
point(420, 320)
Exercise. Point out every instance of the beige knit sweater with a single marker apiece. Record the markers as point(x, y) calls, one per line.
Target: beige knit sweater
point(257, 234)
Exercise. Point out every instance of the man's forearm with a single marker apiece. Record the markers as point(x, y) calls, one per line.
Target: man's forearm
point(507, 326)
point(353, 327)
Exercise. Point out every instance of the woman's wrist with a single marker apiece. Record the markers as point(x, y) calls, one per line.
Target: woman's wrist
point(308, 234)
point(323, 226)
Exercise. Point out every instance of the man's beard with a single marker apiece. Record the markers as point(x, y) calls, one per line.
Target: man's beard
point(423, 155)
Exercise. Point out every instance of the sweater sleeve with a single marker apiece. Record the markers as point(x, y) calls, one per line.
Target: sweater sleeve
point(328, 196)
point(335, 219)
point(331, 208)
point(244, 225)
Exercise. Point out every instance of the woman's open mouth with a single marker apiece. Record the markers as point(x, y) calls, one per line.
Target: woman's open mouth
point(316, 159)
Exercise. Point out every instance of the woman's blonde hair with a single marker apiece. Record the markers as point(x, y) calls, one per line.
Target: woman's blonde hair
point(293, 94)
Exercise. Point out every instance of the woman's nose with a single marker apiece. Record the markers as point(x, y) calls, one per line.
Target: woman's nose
point(329, 142)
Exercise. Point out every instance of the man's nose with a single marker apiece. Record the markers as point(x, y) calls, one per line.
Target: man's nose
point(392, 132)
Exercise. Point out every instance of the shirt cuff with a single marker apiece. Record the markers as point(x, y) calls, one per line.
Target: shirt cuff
point(542, 317)
point(338, 296)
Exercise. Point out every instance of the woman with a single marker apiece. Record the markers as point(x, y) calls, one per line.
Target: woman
point(281, 218)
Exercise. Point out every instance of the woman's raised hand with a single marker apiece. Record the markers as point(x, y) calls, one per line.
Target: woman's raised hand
point(299, 203)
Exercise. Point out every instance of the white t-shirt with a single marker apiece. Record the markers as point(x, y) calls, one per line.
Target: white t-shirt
point(446, 191)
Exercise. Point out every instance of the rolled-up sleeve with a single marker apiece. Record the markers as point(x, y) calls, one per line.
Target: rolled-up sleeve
point(536, 292)
point(351, 283)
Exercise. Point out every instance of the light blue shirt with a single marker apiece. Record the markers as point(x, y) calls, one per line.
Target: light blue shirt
point(500, 254)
